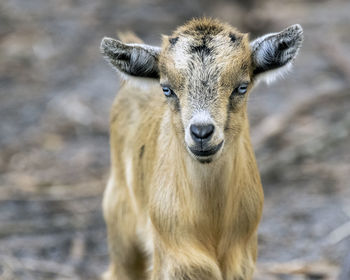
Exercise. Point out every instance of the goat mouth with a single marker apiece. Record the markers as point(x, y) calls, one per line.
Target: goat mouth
point(208, 152)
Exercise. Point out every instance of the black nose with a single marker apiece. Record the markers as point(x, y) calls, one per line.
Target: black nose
point(201, 132)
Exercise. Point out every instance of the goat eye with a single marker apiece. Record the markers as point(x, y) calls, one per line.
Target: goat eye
point(242, 89)
point(167, 91)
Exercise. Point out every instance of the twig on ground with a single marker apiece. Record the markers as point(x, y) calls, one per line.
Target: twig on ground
point(339, 234)
point(321, 270)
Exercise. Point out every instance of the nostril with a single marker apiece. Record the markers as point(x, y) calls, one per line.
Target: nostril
point(202, 131)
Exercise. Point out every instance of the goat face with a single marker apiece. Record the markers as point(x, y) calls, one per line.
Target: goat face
point(206, 70)
point(206, 75)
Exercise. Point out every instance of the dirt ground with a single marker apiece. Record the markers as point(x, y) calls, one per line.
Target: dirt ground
point(55, 96)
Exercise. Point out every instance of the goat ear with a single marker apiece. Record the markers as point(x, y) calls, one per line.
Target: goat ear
point(273, 54)
point(137, 60)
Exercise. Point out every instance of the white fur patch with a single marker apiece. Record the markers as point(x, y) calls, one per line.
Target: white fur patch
point(201, 117)
point(108, 192)
point(270, 76)
point(130, 180)
point(181, 54)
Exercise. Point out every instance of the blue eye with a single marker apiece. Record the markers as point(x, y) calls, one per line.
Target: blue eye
point(242, 89)
point(167, 91)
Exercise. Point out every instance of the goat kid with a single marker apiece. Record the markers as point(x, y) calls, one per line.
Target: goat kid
point(184, 198)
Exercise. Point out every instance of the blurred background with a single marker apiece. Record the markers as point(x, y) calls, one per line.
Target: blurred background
point(55, 95)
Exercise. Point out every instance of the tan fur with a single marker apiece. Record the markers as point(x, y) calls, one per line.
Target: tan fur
point(168, 215)
point(129, 37)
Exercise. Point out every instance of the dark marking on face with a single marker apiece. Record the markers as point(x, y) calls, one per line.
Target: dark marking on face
point(233, 104)
point(228, 117)
point(177, 106)
point(244, 66)
point(233, 37)
point(142, 150)
point(175, 103)
point(173, 41)
point(201, 49)
point(205, 83)
point(191, 66)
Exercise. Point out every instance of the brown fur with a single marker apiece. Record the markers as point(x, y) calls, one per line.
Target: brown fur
point(170, 216)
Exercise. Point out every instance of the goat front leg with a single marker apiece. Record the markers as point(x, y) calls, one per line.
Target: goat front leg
point(187, 263)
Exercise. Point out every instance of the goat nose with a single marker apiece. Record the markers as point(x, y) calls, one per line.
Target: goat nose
point(201, 132)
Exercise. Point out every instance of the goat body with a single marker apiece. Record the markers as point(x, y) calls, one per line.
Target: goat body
point(184, 197)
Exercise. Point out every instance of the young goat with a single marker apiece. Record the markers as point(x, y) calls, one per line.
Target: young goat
point(184, 198)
